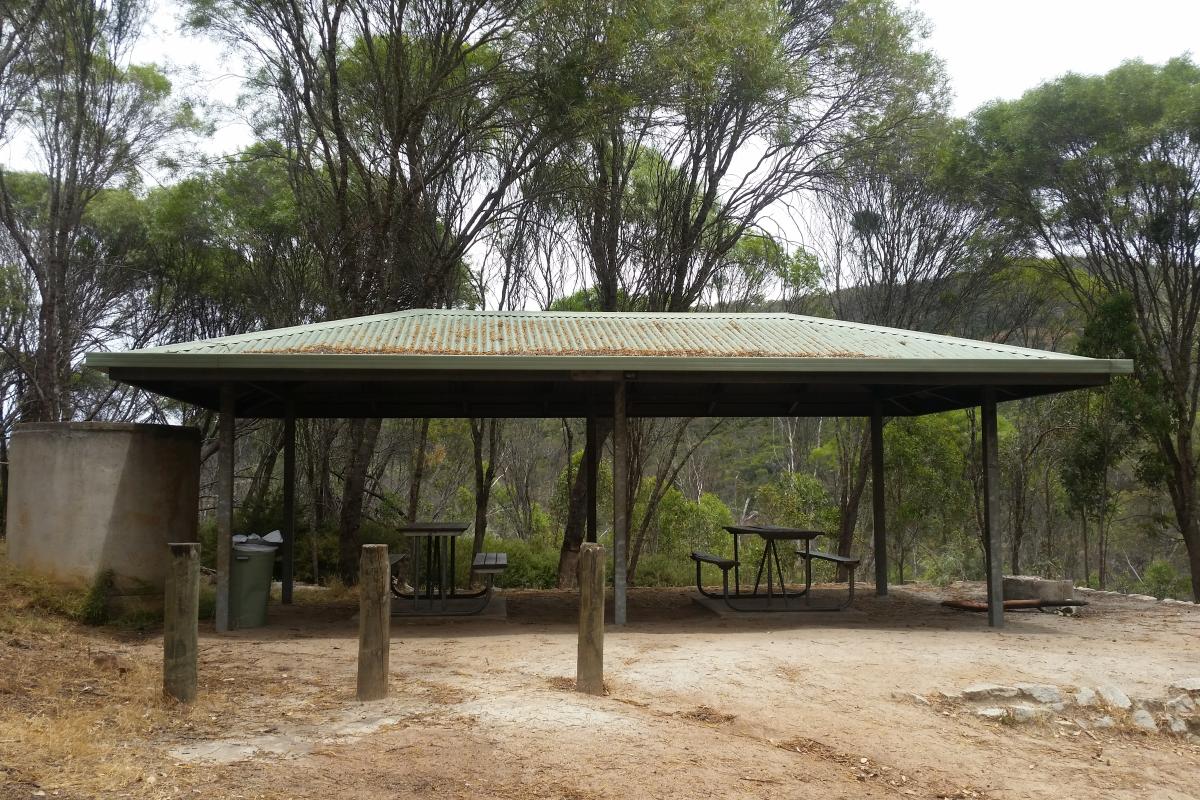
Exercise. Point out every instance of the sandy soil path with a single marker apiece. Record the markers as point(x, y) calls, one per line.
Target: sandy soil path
point(699, 706)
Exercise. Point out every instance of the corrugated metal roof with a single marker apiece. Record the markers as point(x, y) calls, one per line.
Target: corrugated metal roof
point(425, 332)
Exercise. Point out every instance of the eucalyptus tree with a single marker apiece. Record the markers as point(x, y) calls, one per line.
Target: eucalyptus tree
point(93, 120)
point(1102, 174)
point(907, 243)
point(406, 126)
point(751, 102)
point(18, 26)
point(770, 99)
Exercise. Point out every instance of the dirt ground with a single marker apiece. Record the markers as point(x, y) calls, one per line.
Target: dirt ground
point(790, 706)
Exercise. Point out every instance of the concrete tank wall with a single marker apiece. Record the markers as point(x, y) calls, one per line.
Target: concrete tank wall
point(89, 496)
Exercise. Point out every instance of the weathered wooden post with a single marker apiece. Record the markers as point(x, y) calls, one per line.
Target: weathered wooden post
point(589, 665)
point(374, 622)
point(180, 622)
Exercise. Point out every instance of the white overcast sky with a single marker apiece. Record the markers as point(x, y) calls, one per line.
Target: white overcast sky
point(996, 49)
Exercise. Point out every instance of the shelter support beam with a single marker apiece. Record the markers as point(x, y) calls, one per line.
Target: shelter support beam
point(991, 510)
point(289, 501)
point(620, 469)
point(225, 439)
point(590, 469)
point(878, 511)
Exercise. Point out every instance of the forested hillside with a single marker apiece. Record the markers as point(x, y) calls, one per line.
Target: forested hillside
point(691, 155)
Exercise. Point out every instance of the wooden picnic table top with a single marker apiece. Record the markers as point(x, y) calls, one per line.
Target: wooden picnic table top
point(434, 528)
point(774, 532)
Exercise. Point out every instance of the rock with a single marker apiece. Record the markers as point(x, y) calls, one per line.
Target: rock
point(918, 699)
point(1144, 720)
point(1028, 713)
point(1189, 685)
point(992, 713)
point(1177, 726)
point(1104, 722)
point(1149, 598)
point(1114, 697)
point(1085, 696)
point(1183, 704)
point(950, 696)
point(1026, 587)
point(1040, 693)
point(990, 691)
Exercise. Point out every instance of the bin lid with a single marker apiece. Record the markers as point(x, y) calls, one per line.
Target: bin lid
point(254, 548)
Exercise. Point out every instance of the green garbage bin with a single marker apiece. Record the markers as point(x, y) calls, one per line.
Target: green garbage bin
point(250, 584)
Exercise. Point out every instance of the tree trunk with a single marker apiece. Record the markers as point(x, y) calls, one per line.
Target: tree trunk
point(1087, 566)
point(1183, 496)
point(3, 485)
point(484, 431)
point(318, 445)
point(417, 472)
point(854, 482)
point(47, 384)
point(664, 478)
point(1018, 520)
point(363, 433)
point(576, 527)
point(260, 485)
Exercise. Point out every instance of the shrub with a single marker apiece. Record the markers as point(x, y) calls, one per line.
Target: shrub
point(94, 609)
point(1162, 580)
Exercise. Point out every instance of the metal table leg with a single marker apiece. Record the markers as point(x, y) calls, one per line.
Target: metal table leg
point(767, 557)
point(737, 578)
point(441, 548)
point(807, 572)
point(416, 573)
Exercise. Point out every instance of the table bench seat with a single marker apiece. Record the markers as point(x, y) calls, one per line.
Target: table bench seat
point(490, 563)
point(717, 561)
point(846, 561)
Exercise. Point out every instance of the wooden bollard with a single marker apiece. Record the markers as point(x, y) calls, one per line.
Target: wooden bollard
point(181, 614)
point(374, 622)
point(589, 666)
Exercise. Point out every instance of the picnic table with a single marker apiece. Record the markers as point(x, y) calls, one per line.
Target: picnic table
point(434, 543)
point(769, 562)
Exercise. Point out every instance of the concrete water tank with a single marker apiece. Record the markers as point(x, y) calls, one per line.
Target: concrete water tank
point(90, 496)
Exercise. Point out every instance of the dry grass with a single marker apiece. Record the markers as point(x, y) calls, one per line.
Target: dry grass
point(708, 716)
point(80, 706)
point(334, 592)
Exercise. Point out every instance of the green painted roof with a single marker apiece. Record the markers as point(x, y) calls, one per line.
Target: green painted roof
point(425, 338)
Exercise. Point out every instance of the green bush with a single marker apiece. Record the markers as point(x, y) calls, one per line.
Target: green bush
point(94, 609)
point(530, 565)
point(665, 569)
point(1162, 580)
